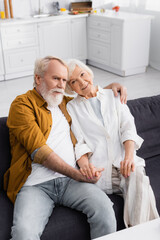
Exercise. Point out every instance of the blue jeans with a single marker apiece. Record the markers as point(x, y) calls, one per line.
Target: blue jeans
point(34, 205)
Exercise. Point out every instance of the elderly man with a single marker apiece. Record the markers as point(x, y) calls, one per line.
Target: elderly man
point(43, 170)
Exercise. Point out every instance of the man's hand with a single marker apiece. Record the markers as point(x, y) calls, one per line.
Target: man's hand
point(88, 169)
point(55, 163)
point(94, 179)
point(117, 87)
point(127, 165)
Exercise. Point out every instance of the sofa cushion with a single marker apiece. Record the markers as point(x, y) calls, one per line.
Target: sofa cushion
point(118, 206)
point(66, 224)
point(146, 112)
point(6, 216)
point(5, 155)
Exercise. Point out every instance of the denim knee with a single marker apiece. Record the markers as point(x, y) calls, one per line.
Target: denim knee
point(104, 217)
point(24, 232)
point(101, 215)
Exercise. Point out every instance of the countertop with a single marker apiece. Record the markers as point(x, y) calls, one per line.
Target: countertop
point(122, 16)
point(13, 21)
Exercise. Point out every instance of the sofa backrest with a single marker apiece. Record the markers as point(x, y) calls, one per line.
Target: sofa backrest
point(5, 156)
point(146, 112)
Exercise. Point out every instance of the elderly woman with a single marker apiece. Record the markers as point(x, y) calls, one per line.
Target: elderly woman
point(106, 133)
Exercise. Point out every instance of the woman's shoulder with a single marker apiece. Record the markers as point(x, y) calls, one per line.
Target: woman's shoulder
point(109, 97)
point(106, 92)
point(72, 103)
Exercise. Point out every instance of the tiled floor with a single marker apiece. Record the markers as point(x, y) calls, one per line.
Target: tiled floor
point(141, 85)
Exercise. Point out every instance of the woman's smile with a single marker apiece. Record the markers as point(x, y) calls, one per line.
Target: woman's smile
point(85, 87)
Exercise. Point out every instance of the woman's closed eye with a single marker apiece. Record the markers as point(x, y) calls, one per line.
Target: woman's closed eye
point(73, 82)
point(82, 74)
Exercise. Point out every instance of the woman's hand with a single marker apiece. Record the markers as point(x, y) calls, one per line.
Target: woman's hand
point(127, 165)
point(88, 169)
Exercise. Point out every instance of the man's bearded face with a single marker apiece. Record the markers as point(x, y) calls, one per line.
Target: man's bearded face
point(53, 96)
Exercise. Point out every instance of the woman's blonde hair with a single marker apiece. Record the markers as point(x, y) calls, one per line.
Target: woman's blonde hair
point(72, 63)
point(41, 66)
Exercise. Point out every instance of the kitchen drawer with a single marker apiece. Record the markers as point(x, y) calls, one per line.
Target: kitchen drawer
point(99, 24)
point(98, 53)
point(99, 35)
point(20, 60)
point(19, 42)
point(17, 30)
point(19, 36)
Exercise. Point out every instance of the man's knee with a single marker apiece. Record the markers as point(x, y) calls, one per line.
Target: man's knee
point(25, 232)
point(105, 215)
point(101, 217)
point(101, 211)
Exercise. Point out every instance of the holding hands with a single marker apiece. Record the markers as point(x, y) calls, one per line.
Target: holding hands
point(88, 170)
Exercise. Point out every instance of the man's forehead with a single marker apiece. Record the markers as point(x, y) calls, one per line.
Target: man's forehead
point(58, 68)
point(56, 63)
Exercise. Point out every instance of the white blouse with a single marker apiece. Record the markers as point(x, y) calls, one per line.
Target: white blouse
point(105, 141)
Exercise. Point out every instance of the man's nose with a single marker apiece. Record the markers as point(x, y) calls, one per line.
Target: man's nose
point(61, 83)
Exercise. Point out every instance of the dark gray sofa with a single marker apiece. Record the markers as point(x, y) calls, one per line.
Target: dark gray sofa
point(68, 224)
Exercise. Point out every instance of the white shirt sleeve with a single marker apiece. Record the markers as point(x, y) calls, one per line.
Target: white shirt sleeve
point(127, 125)
point(81, 147)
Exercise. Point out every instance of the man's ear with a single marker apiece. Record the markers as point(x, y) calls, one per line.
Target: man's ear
point(38, 79)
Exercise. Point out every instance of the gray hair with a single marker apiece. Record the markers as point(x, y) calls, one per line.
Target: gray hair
point(72, 63)
point(41, 66)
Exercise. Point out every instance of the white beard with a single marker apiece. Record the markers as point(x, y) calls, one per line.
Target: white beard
point(51, 99)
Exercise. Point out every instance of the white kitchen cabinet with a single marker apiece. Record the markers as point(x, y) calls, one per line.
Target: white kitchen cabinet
point(20, 49)
point(119, 42)
point(79, 39)
point(63, 39)
point(116, 42)
point(99, 40)
point(23, 41)
point(1, 64)
point(55, 39)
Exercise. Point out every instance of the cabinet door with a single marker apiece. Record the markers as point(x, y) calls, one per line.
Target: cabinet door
point(79, 38)
point(20, 60)
point(116, 45)
point(1, 64)
point(99, 53)
point(55, 39)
